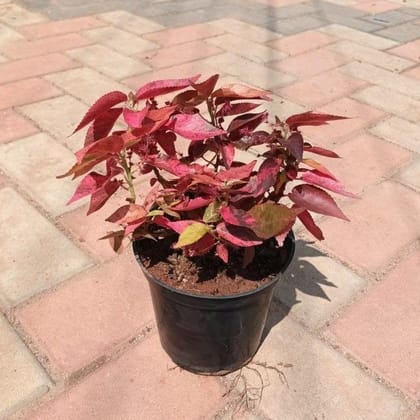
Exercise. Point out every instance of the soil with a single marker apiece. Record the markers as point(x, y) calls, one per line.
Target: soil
point(208, 274)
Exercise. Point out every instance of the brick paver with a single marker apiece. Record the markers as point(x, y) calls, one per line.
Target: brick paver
point(85, 311)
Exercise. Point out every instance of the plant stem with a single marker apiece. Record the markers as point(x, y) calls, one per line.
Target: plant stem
point(211, 111)
point(128, 176)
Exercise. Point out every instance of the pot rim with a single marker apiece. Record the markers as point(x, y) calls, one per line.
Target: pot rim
point(212, 297)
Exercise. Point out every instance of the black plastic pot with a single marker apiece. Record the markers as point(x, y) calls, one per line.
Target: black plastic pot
point(211, 335)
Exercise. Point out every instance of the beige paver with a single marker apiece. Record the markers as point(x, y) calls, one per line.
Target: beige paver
point(7, 34)
point(410, 175)
point(15, 15)
point(22, 379)
point(35, 254)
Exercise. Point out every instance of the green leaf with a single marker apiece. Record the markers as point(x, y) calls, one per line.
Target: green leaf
point(155, 213)
point(211, 214)
point(272, 219)
point(192, 234)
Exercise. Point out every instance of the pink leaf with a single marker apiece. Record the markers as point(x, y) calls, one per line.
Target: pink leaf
point(177, 226)
point(222, 252)
point(228, 153)
point(310, 118)
point(317, 178)
point(234, 109)
point(320, 151)
point(104, 103)
point(307, 220)
point(238, 236)
point(237, 217)
point(102, 125)
point(193, 127)
point(206, 88)
point(126, 214)
point(192, 204)
point(238, 91)
point(134, 119)
point(317, 200)
point(102, 195)
point(161, 87)
point(320, 168)
point(88, 185)
point(237, 172)
point(173, 166)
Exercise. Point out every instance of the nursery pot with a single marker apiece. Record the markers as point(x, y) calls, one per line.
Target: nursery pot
point(211, 335)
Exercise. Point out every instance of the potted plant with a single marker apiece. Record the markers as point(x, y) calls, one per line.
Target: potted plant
point(212, 233)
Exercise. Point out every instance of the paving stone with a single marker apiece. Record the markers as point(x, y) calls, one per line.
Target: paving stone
point(14, 126)
point(59, 117)
point(363, 241)
point(178, 54)
point(45, 29)
point(302, 42)
point(402, 33)
point(310, 63)
point(24, 49)
point(282, 107)
point(321, 89)
point(90, 315)
point(174, 36)
point(410, 11)
point(244, 30)
point(328, 9)
point(387, 338)
point(363, 38)
point(35, 162)
point(173, 20)
point(355, 23)
point(85, 84)
point(371, 55)
point(390, 101)
point(108, 61)
point(36, 262)
point(26, 91)
point(7, 35)
point(399, 131)
point(410, 50)
point(22, 378)
point(375, 7)
point(414, 73)
point(390, 18)
point(14, 15)
point(35, 66)
point(296, 24)
point(378, 76)
point(142, 373)
point(250, 72)
point(280, 3)
point(321, 383)
point(122, 41)
point(410, 175)
point(315, 286)
point(292, 11)
point(253, 51)
point(358, 177)
point(129, 22)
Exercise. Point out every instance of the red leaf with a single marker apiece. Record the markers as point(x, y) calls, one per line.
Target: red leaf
point(317, 178)
point(88, 185)
point(126, 214)
point(320, 168)
point(317, 200)
point(101, 196)
point(249, 254)
point(247, 122)
point(320, 151)
point(173, 166)
point(161, 87)
point(102, 125)
point(237, 172)
point(193, 127)
point(104, 147)
point(237, 217)
point(294, 145)
point(307, 220)
point(228, 153)
point(135, 119)
point(222, 252)
point(202, 246)
point(238, 236)
point(233, 109)
point(238, 91)
point(166, 141)
point(310, 118)
point(177, 226)
point(104, 103)
point(192, 204)
point(206, 88)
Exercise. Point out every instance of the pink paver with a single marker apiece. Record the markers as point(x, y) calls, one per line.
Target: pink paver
point(410, 50)
point(310, 63)
point(382, 223)
point(360, 116)
point(321, 89)
point(302, 42)
point(414, 73)
point(139, 385)
point(90, 314)
point(14, 126)
point(382, 328)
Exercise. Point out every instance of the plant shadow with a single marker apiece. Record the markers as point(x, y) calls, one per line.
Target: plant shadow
point(302, 276)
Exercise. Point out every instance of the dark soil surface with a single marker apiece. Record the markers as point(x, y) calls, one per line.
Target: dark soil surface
point(208, 274)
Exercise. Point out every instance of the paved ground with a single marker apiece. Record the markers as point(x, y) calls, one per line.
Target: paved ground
point(77, 336)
